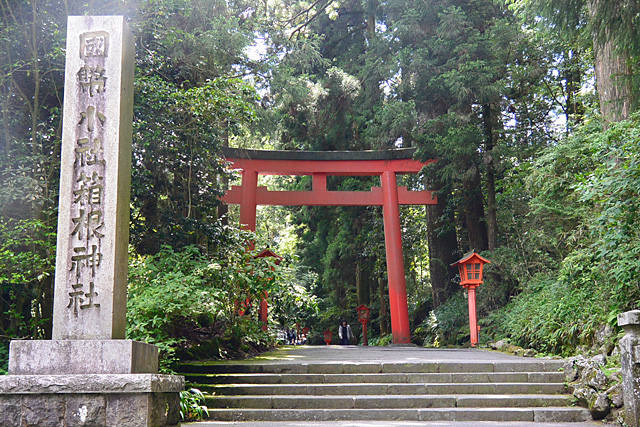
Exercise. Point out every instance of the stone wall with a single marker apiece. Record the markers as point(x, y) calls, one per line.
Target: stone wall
point(595, 387)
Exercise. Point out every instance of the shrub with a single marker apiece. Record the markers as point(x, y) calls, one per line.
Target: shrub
point(177, 296)
point(381, 340)
point(192, 406)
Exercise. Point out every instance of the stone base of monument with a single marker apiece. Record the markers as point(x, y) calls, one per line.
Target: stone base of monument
point(130, 400)
point(45, 388)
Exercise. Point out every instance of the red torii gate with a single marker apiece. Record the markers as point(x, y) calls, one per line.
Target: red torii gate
point(320, 164)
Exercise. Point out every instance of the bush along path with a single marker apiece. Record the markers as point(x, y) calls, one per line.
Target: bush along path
point(385, 384)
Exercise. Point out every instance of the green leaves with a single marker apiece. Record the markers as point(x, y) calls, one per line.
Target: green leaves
point(176, 297)
point(584, 219)
point(613, 188)
point(177, 174)
point(192, 406)
point(27, 260)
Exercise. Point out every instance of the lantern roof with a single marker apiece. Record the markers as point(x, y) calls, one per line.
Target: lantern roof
point(361, 307)
point(468, 256)
point(269, 253)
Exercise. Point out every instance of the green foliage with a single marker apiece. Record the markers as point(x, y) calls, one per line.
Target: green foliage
point(447, 324)
point(381, 340)
point(613, 188)
point(549, 316)
point(4, 357)
point(26, 251)
point(185, 107)
point(508, 110)
point(27, 258)
point(177, 135)
point(607, 20)
point(293, 299)
point(585, 204)
point(192, 406)
point(173, 293)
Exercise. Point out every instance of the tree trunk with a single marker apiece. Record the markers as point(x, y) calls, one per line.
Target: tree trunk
point(5, 126)
point(371, 80)
point(573, 75)
point(474, 212)
point(613, 76)
point(359, 291)
point(367, 284)
point(442, 242)
point(384, 308)
point(47, 307)
point(612, 79)
point(223, 180)
point(492, 221)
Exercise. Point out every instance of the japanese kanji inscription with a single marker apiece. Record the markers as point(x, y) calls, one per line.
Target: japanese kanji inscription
point(91, 262)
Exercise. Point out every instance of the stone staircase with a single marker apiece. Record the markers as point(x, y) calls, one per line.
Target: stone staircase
point(426, 391)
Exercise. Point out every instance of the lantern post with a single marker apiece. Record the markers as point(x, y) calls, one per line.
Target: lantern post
point(327, 336)
point(364, 314)
point(263, 312)
point(470, 268)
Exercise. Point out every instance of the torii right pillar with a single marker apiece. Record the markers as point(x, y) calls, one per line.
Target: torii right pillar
point(395, 260)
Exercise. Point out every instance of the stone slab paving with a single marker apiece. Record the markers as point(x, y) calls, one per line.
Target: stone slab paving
point(390, 354)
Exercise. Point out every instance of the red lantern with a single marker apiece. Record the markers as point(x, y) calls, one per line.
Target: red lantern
point(327, 336)
point(364, 314)
point(470, 268)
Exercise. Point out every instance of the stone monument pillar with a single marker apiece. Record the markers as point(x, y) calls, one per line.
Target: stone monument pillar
point(630, 362)
point(89, 374)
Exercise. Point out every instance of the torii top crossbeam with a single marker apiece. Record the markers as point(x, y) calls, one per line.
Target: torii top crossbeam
point(319, 165)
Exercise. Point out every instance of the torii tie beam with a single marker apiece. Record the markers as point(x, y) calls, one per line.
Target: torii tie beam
point(320, 164)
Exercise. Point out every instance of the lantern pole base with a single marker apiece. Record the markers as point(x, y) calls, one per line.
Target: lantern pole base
point(473, 318)
point(365, 340)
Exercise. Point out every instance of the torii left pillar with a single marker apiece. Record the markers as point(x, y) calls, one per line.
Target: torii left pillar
point(248, 203)
point(248, 209)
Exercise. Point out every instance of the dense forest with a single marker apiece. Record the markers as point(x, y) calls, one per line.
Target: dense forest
point(529, 107)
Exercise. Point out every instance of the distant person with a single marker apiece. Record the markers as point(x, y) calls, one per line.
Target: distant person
point(344, 332)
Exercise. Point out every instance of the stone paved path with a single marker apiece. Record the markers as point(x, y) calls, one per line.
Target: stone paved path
point(389, 354)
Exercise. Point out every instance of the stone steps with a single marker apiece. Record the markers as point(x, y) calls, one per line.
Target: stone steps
point(388, 402)
point(369, 368)
point(531, 391)
point(383, 389)
point(467, 377)
point(549, 414)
